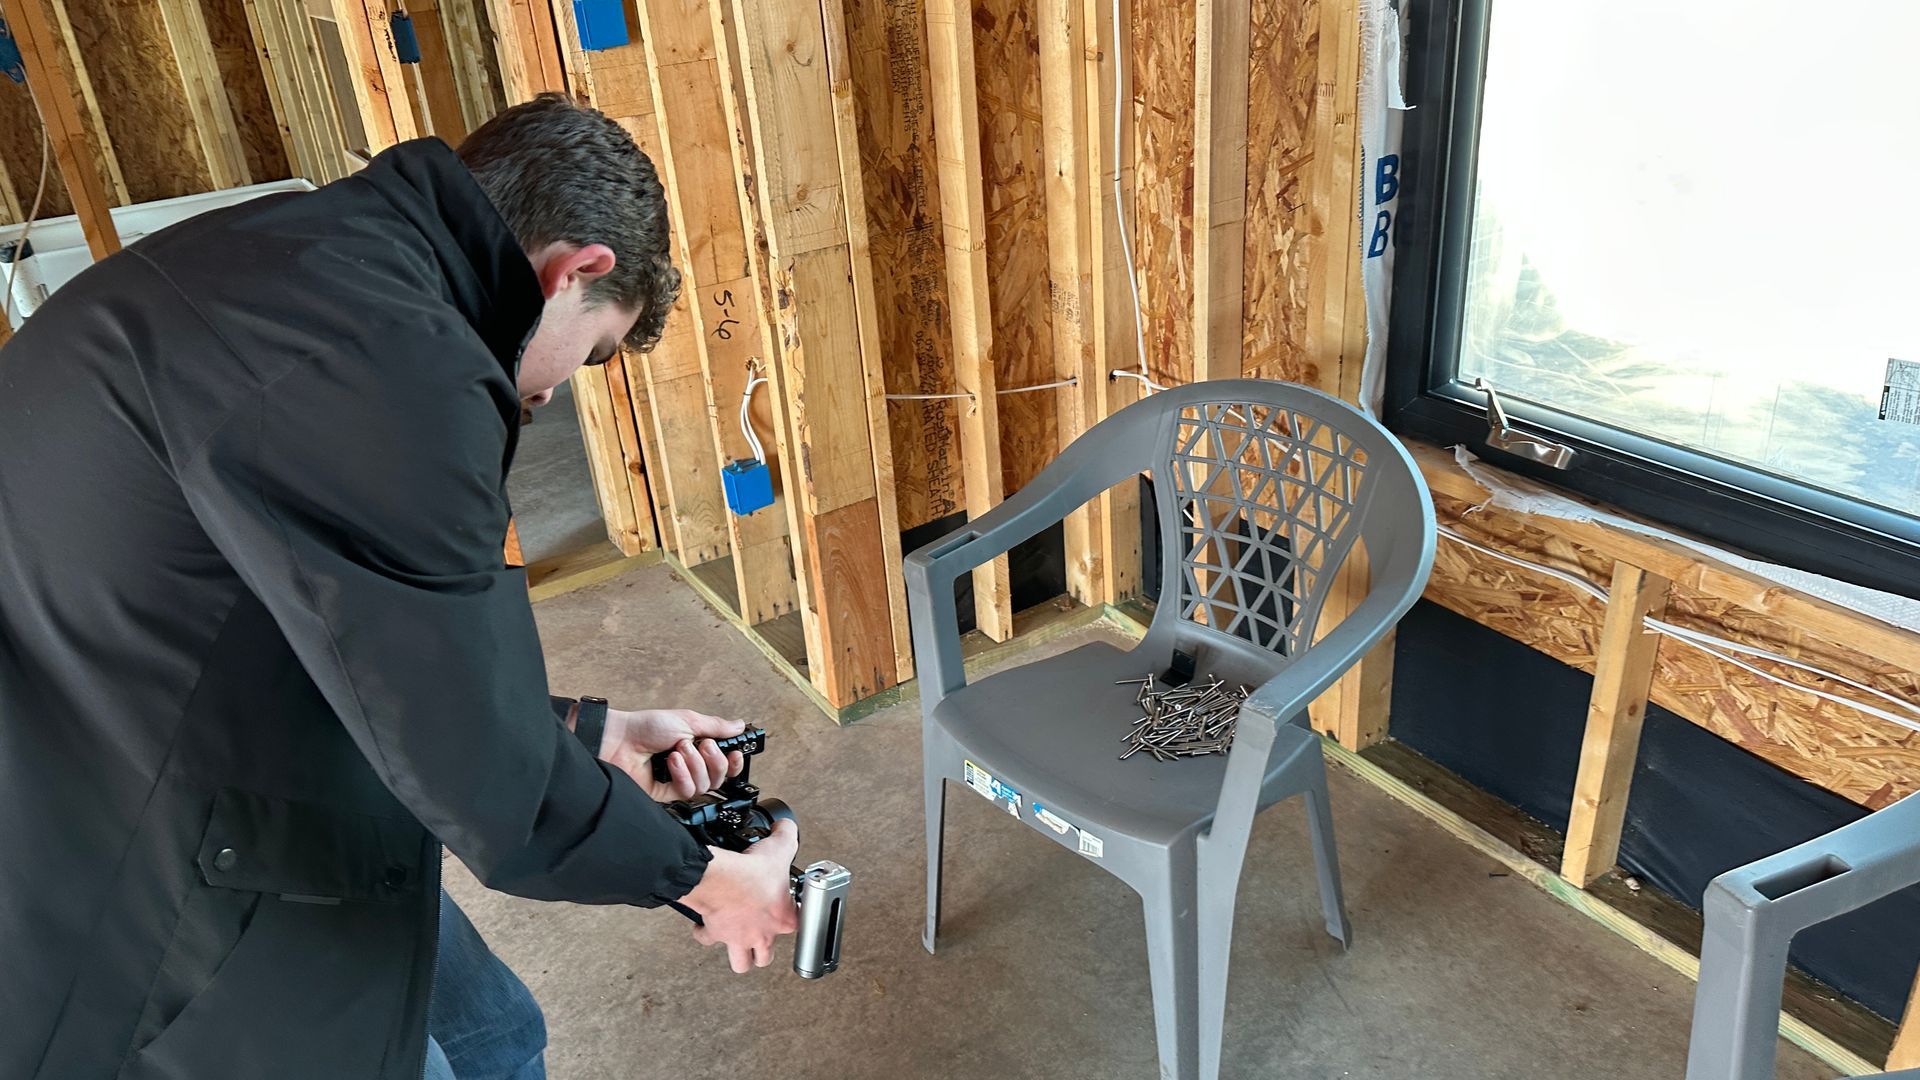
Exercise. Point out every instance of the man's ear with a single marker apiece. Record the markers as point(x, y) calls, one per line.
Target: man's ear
point(562, 266)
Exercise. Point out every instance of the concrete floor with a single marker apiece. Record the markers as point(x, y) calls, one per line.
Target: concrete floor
point(551, 484)
point(1457, 971)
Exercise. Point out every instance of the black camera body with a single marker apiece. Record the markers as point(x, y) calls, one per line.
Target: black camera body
point(734, 817)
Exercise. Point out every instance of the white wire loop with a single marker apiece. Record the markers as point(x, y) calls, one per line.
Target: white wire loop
point(746, 403)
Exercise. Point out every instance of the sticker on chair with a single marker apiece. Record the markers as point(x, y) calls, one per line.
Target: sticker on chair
point(991, 789)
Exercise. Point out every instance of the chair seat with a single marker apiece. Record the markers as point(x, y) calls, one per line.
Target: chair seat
point(1053, 731)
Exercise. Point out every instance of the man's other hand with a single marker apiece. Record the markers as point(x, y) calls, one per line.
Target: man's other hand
point(745, 899)
point(694, 763)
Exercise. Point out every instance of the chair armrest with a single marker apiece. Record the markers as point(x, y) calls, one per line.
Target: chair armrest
point(1297, 685)
point(1286, 695)
point(1752, 914)
point(1830, 875)
point(1080, 473)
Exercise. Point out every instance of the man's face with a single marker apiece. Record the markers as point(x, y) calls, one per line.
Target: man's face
point(573, 330)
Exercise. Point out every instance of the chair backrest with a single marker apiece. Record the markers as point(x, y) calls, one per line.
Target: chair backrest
point(1263, 490)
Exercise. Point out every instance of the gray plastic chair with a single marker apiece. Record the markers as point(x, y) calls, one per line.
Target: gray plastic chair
point(1262, 489)
point(1752, 914)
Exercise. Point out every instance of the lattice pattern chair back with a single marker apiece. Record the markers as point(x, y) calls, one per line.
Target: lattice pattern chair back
point(1267, 500)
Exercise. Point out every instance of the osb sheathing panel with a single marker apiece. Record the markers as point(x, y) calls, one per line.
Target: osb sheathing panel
point(888, 48)
point(1862, 758)
point(1285, 43)
point(1006, 44)
point(1163, 43)
point(1533, 609)
point(137, 82)
point(1868, 760)
point(20, 149)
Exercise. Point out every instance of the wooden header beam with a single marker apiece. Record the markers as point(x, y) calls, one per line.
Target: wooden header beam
point(379, 86)
point(1220, 187)
point(58, 80)
point(206, 93)
point(471, 73)
point(853, 203)
point(690, 92)
point(797, 112)
point(956, 130)
point(730, 63)
point(1114, 330)
point(530, 59)
point(1068, 146)
point(616, 82)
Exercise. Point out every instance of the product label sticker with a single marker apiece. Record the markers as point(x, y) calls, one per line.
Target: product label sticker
point(1050, 819)
point(1091, 845)
point(989, 788)
point(1900, 396)
point(978, 779)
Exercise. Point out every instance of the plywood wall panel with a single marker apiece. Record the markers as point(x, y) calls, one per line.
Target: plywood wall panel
point(137, 82)
point(1848, 752)
point(1284, 57)
point(1163, 47)
point(1013, 164)
point(888, 49)
point(246, 90)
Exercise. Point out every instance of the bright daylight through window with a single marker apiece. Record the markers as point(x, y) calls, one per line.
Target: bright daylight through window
point(1705, 234)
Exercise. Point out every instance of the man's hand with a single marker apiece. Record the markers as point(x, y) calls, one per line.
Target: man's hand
point(694, 763)
point(745, 899)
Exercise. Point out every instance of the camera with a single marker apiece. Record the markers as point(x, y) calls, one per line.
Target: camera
point(734, 817)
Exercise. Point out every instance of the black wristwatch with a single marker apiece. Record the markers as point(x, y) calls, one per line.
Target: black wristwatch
point(590, 723)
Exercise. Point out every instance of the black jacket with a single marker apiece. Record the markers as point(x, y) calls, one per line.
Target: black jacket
point(258, 654)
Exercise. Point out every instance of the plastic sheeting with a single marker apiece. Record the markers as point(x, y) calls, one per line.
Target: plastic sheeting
point(1381, 103)
point(1887, 607)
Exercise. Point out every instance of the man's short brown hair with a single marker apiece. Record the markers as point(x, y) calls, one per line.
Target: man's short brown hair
point(561, 172)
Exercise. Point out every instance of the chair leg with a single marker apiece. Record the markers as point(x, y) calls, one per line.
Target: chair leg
point(1736, 1006)
point(1219, 862)
point(936, 794)
point(1326, 861)
point(1174, 968)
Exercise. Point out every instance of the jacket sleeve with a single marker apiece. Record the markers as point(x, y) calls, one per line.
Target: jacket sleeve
point(359, 495)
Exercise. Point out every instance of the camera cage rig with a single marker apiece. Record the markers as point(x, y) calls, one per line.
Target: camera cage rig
point(733, 817)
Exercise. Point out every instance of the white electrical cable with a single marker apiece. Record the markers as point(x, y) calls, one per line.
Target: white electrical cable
point(1700, 641)
point(1074, 381)
point(1713, 645)
point(746, 422)
point(1151, 385)
point(26, 229)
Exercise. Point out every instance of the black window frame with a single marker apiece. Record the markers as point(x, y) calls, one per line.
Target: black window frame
point(1770, 517)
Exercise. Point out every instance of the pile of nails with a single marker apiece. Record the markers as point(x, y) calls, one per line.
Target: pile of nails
point(1183, 721)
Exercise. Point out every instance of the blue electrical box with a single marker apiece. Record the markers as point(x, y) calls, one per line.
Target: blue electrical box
point(406, 43)
point(10, 61)
point(602, 23)
point(749, 485)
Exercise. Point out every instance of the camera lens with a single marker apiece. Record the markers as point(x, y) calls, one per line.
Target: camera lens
point(770, 812)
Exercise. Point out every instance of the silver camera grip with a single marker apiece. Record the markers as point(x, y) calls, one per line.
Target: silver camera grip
point(821, 893)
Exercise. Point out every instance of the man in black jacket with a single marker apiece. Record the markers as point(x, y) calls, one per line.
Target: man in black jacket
point(259, 658)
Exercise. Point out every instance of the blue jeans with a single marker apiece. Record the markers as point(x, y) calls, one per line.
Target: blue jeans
point(482, 1023)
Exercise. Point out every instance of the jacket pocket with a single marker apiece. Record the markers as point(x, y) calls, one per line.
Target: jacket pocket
point(310, 992)
point(301, 851)
point(289, 889)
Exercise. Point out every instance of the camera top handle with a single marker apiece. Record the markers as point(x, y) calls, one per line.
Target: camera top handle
point(749, 742)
